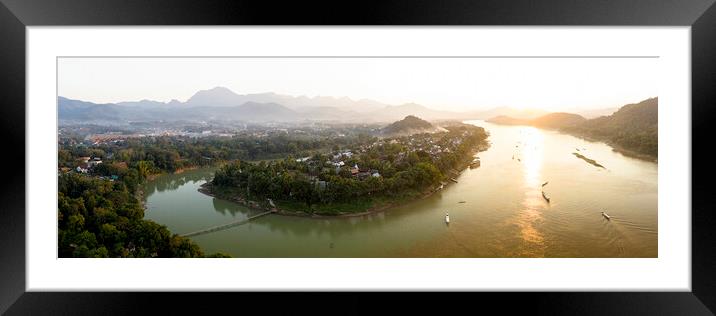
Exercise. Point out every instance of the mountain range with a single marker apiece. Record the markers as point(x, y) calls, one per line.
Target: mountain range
point(223, 104)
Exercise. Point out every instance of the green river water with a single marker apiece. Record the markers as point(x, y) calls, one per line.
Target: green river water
point(496, 210)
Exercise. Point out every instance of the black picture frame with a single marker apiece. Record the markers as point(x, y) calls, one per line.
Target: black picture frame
point(16, 15)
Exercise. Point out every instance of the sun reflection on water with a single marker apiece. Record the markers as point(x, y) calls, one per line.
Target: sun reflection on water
point(530, 150)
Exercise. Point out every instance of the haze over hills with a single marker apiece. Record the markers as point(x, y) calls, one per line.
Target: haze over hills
point(508, 111)
point(220, 96)
point(223, 104)
point(397, 112)
point(593, 113)
point(632, 127)
point(410, 125)
point(558, 120)
point(551, 120)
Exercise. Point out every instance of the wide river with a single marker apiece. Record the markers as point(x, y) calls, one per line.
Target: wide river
point(496, 210)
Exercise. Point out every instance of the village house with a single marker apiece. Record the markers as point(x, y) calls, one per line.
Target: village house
point(95, 161)
point(339, 155)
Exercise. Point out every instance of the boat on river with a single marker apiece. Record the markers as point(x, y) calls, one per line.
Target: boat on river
point(606, 216)
point(545, 183)
point(475, 163)
point(447, 218)
point(545, 196)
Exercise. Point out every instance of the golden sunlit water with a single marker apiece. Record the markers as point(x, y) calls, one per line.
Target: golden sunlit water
point(496, 210)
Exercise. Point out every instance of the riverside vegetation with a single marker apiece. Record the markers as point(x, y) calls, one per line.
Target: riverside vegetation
point(100, 211)
point(367, 177)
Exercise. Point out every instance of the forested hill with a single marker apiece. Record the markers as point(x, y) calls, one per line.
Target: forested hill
point(558, 120)
point(633, 127)
point(410, 125)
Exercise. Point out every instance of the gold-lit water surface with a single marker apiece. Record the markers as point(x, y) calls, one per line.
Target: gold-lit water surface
point(529, 151)
point(496, 210)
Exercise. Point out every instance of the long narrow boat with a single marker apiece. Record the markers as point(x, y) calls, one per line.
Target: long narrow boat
point(545, 196)
point(606, 216)
point(543, 184)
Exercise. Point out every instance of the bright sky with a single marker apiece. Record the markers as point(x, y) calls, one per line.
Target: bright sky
point(458, 84)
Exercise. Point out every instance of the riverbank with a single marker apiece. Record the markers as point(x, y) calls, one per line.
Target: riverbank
point(182, 170)
point(207, 189)
point(287, 208)
point(139, 193)
point(616, 147)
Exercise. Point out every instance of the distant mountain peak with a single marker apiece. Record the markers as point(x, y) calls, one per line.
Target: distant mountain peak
point(215, 91)
point(220, 88)
point(217, 96)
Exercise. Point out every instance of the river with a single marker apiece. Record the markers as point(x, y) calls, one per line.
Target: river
point(496, 210)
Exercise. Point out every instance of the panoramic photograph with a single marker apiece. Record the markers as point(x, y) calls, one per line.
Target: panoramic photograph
point(357, 157)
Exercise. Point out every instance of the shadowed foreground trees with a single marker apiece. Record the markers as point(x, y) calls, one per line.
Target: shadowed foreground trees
point(101, 218)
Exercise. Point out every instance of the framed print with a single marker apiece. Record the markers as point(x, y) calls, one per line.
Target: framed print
point(461, 147)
